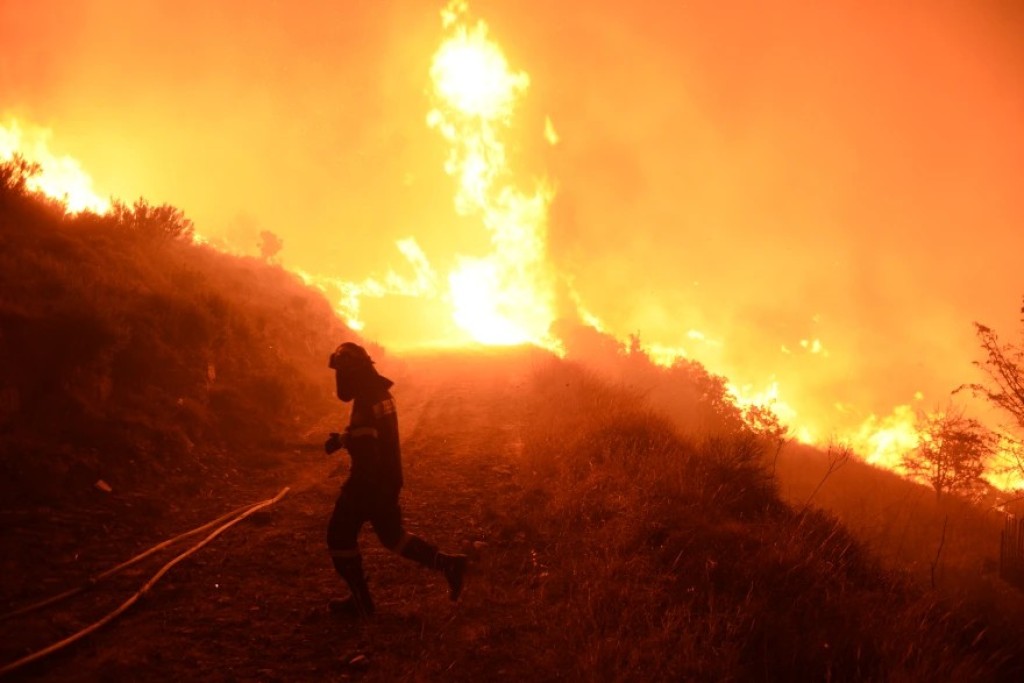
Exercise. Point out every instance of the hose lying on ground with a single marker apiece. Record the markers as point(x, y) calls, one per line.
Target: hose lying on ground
point(94, 580)
point(145, 588)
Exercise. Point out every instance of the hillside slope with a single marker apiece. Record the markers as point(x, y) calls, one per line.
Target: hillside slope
point(131, 354)
point(603, 545)
point(621, 526)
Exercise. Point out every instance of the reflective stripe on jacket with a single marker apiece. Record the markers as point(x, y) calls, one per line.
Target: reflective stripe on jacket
point(373, 443)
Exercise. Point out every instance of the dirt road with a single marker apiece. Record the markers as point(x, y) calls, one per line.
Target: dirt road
point(252, 605)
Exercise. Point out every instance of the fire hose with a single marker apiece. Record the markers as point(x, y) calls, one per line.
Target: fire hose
point(233, 517)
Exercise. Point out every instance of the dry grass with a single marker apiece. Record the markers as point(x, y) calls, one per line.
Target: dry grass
point(665, 557)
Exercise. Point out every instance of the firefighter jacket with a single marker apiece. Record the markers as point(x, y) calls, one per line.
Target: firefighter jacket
point(372, 441)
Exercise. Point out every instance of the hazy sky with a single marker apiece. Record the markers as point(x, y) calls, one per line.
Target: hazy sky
point(761, 172)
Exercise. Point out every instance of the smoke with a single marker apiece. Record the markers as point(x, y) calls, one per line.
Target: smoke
point(780, 174)
point(825, 195)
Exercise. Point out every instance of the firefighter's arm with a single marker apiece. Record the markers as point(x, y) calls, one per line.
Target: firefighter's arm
point(361, 440)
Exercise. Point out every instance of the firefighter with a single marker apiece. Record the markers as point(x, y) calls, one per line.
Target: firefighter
point(370, 494)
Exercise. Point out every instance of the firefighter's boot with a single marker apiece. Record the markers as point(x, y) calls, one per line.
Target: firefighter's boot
point(359, 605)
point(452, 566)
point(454, 569)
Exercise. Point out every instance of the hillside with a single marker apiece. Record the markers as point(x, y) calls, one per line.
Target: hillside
point(604, 547)
point(622, 521)
point(131, 354)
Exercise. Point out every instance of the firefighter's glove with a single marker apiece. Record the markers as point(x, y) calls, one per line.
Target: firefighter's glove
point(335, 442)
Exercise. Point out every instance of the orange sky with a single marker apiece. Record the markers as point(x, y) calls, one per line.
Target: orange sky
point(761, 172)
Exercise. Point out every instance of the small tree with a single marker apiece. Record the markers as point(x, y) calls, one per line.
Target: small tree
point(766, 425)
point(952, 454)
point(270, 245)
point(1004, 366)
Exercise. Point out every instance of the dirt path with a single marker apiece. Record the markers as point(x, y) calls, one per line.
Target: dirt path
point(252, 605)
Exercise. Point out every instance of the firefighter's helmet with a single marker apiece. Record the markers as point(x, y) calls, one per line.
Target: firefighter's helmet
point(349, 355)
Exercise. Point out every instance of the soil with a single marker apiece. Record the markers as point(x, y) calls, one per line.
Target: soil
point(252, 605)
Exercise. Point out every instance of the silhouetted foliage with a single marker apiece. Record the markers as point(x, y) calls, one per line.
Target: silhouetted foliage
point(17, 200)
point(163, 222)
point(15, 174)
point(953, 453)
point(1004, 366)
point(270, 245)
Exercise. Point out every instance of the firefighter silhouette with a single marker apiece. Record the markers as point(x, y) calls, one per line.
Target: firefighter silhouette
point(370, 494)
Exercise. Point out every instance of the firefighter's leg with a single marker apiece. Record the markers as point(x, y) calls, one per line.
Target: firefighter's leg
point(387, 524)
point(342, 541)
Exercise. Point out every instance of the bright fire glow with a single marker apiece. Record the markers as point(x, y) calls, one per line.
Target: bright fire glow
point(59, 177)
point(884, 441)
point(745, 397)
point(506, 296)
point(471, 75)
point(1005, 469)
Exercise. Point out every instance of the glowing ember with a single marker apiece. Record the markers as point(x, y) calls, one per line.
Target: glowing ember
point(60, 177)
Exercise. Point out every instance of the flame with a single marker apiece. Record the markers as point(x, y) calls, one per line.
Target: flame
point(506, 296)
point(471, 75)
point(1006, 469)
point(884, 441)
point(59, 177)
point(550, 134)
point(663, 355)
point(770, 398)
point(349, 295)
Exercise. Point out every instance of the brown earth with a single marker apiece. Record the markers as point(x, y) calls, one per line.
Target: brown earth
point(252, 605)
